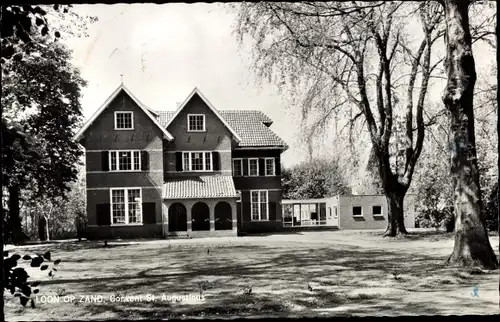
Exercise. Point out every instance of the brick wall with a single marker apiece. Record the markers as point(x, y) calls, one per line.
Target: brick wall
point(101, 137)
point(170, 163)
point(246, 183)
point(275, 213)
point(102, 197)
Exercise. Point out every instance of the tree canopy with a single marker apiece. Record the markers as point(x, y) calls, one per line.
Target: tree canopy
point(317, 178)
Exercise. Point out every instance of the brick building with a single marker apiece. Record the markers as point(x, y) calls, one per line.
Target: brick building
point(196, 171)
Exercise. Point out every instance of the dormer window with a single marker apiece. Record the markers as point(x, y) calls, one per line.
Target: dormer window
point(196, 122)
point(124, 120)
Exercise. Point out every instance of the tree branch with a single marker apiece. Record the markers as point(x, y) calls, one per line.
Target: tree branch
point(413, 154)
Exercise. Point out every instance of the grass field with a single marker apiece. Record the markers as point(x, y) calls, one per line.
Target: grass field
point(336, 273)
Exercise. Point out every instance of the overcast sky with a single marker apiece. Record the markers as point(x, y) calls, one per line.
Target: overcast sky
point(164, 51)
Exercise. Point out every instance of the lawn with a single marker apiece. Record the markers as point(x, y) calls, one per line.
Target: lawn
point(335, 273)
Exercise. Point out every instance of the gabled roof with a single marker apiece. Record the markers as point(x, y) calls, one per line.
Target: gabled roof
point(251, 125)
point(212, 108)
point(146, 110)
point(199, 187)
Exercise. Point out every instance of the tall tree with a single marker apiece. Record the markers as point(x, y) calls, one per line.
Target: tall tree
point(330, 48)
point(472, 246)
point(41, 109)
point(41, 97)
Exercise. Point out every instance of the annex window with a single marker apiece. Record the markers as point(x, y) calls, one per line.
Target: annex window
point(237, 167)
point(121, 160)
point(197, 161)
point(126, 206)
point(124, 120)
point(253, 167)
point(196, 122)
point(377, 211)
point(357, 211)
point(270, 171)
point(259, 205)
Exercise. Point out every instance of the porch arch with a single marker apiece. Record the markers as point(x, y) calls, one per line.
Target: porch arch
point(223, 216)
point(200, 216)
point(177, 217)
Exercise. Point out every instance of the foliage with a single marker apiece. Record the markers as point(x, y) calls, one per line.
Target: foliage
point(41, 111)
point(491, 209)
point(41, 95)
point(61, 213)
point(317, 178)
point(16, 278)
point(432, 184)
point(19, 24)
point(22, 23)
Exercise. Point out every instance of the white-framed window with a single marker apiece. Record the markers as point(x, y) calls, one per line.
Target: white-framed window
point(197, 161)
point(238, 192)
point(259, 205)
point(208, 161)
point(237, 167)
point(377, 211)
point(126, 206)
point(185, 161)
point(270, 170)
point(125, 160)
point(124, 120)
point(196, 122)
point(357, 211)
point(253, 167)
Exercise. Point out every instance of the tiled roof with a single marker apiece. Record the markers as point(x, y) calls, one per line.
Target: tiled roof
point(251, 126)
point(199, 187)
point(165, 116)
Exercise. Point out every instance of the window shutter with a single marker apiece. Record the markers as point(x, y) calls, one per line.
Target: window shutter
point(144, 160)
point(246, 211)
point(216, 160)
point(105, 160)
point(103, 216)
point(262, 167)
point(178, 161)
point(272, 210)
point(149, 213)
point(245, 167)
point(277, 166)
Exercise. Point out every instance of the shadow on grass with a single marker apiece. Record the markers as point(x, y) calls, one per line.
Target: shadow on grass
point(432, 236)
point(292, 279)
point(71, 246)
point(278, 277)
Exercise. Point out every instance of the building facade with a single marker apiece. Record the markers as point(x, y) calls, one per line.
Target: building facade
point(343, 212)
point(196, 171)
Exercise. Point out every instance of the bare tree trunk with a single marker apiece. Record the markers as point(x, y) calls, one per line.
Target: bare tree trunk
point(472, 246)
point(395, 222)
point(15, 226)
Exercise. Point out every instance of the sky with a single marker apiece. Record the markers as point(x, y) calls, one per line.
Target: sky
point(164, 51)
